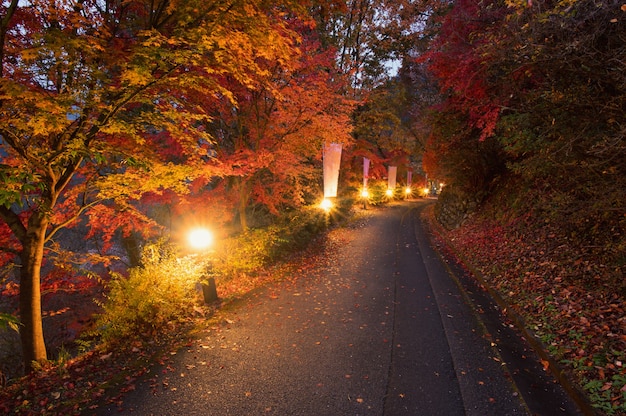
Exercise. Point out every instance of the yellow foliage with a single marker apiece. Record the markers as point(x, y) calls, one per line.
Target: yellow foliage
point(136, 76)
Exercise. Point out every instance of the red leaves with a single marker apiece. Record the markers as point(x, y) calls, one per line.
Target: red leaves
point(459, 60)
point(582, 324)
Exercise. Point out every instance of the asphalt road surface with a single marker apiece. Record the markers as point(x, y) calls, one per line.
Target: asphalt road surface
point(377, 327)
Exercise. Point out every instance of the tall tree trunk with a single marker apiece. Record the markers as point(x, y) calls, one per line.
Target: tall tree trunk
point(243, 204)
point(31, 331)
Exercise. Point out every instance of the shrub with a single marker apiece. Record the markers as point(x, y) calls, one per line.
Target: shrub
point(377, 193)
point(249, 252)
point(159, 292)
point(162, 290)
point(244, 253)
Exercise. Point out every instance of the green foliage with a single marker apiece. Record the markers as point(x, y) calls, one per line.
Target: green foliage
point(377, 193)
point(154, 295)
point(244, 253)
point(9, 321)
point(380, 122)
point(300, 228)
point(250, 251)
point(601, 398)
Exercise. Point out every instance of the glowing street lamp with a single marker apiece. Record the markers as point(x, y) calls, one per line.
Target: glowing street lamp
point(407, 191)
point(365, 196)
point(389, 192)
point(326, 204)
point(200, 238)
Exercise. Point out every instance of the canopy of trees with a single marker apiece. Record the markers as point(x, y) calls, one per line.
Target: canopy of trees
point(117, 117)
point(121, 117)
point(535, 90)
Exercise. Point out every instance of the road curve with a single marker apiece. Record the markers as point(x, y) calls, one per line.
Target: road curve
point(378, 326)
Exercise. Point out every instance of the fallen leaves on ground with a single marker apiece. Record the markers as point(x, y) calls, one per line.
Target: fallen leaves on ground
point(565, 293)
point(85, 382)
point(102, 377)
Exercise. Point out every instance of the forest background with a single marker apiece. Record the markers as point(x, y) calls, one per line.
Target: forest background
point(124, 123)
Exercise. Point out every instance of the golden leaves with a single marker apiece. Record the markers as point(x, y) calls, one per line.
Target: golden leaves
point(136, 76)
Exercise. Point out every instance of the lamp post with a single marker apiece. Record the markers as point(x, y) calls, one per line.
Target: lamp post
point(326, 204)
point(365, 196)
point(200, 239)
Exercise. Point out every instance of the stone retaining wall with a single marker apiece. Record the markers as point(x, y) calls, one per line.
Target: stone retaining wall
point(454, 207)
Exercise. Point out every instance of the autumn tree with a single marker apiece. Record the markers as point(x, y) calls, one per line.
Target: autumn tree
point(371, 36)
point(545, 93)
point(461, 147)
point(270, 143)
point(381, 130)
point(101, 102)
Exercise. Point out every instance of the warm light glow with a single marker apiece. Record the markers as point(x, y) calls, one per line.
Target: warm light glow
point(389, 192)
point(364, 193)
point(326, 204)
point(426, 191)
point(407, 190)
point(200, 238)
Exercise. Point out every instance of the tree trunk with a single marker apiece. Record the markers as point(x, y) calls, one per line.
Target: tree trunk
point(244, 197)
point(31, 331)
point(133, 250)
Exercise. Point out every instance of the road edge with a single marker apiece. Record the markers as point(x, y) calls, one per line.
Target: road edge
point(559, 373)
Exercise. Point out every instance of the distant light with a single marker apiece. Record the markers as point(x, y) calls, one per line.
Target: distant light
point(364, 193)
point(389, 192)
point(426, 191)
point(326, 204)
point(200, 238)
point(407, 190)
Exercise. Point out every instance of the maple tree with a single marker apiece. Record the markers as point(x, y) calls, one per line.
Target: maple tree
point(460, 148)
point(271, 142)
point(382, 131)
point(102, 102)
point(531, 118)
point(515, 73)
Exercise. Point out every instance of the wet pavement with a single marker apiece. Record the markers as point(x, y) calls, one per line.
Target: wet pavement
point(377, 327)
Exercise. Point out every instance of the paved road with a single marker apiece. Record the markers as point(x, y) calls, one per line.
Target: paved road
point(377, 328)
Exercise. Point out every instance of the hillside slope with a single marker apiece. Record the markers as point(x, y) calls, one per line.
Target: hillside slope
point(569, 293)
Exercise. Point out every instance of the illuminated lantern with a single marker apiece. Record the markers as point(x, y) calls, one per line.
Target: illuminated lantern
point(326, 204)
point(391, 177)
point(200, 238)
point(332, 160)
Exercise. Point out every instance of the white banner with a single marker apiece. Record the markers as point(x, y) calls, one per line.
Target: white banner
point(332, 160)
point(391, 177)
point(366, 171)
point(409, 177)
